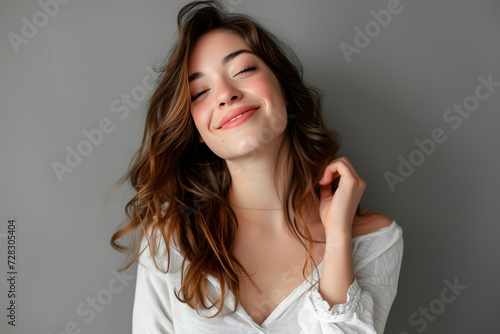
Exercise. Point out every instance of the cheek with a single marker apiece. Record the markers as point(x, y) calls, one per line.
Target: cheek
point(268, 87)
point(200, 119)
point(263, 85)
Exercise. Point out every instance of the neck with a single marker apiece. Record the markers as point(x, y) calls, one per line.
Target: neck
point(253, 193)
point(252, 177)
point(254, 198)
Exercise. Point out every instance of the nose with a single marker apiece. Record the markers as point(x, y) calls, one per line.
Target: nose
point(227, 93)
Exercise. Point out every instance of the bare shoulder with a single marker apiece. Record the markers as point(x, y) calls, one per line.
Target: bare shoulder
point(369, 222)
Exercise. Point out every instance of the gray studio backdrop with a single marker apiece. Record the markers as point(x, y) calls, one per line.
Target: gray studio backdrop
point(413, 87)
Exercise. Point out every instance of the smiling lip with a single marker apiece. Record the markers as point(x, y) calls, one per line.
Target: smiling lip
point(236, 112)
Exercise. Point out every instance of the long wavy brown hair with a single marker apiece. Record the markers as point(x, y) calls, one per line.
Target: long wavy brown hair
point(172, 167)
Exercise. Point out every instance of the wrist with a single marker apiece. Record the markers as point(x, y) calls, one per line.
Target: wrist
point(338, 242)
point(338, 234)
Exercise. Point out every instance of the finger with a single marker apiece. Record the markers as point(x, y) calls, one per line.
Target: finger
point(325, 191)
point(336, 169)
point(329, 189)
point(349, 166)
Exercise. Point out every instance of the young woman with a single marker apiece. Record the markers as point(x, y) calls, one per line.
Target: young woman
point(243, 227)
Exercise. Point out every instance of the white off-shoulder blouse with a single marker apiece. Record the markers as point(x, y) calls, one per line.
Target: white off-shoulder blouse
point(377, 258)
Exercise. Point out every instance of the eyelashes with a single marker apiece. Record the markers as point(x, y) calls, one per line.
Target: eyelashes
point(250, 68)
point(197, 95)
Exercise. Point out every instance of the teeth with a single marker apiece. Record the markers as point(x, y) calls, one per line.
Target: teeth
point(232, 119)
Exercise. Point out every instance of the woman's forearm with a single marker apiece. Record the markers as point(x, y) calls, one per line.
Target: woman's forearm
point(337, 273)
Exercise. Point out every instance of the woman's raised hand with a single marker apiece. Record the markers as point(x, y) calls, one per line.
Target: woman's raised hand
point(337, 209)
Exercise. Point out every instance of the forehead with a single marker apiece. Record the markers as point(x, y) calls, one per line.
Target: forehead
point(214, 45)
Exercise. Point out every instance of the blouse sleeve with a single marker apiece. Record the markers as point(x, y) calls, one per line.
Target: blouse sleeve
point(377, 258)
point(152, 309)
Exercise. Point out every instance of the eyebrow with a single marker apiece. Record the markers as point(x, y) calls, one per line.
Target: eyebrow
point(224, 61)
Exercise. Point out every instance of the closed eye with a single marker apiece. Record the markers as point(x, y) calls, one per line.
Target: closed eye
point(197, 95)
point(250, 68)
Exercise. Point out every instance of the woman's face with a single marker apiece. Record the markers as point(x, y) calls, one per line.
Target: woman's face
point(221, 82)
